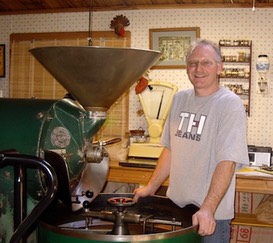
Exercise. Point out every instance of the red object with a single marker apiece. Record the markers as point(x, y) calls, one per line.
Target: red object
point(121, 31)
point(118, 24)
point(141, 85)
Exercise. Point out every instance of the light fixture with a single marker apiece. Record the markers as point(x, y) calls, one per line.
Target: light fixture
point(262, 67)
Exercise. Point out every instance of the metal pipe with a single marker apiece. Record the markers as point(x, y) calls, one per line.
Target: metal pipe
point(20, 199)
point(20, 162)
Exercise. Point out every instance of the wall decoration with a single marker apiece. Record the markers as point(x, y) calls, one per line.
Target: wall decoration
point(2, 61)
point(119, 23)
point(174, 44)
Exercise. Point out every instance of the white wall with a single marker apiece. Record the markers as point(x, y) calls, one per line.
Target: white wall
point(215, 24)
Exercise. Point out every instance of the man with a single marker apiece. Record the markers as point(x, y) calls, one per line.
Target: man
point(204, 138)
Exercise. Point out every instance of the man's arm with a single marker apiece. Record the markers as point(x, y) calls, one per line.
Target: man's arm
point(159, 175)
point(219, 184)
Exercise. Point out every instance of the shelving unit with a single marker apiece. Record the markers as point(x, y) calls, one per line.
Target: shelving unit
point(249, 191)
point(236, 73)
point(249, 220)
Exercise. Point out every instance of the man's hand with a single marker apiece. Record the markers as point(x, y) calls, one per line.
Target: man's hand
point(206, 222)
point(142, 192)
point(219, 184)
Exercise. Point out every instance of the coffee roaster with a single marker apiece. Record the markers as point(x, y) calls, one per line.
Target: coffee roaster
point(61, 134)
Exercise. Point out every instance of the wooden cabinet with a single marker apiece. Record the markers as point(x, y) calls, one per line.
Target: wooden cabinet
point(236, 74)
point(124, 174)
point(257, 185)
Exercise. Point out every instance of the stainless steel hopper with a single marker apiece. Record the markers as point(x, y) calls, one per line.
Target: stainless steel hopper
point(95, 76)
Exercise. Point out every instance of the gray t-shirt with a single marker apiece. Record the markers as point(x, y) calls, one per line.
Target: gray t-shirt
point(201, 132)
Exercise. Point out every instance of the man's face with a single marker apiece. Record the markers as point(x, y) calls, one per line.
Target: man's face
point(203, 70)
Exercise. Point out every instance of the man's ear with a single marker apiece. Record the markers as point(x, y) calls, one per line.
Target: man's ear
point(219, 68)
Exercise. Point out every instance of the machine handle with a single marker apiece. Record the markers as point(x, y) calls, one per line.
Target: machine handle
point(107, 142)
point(20, 162)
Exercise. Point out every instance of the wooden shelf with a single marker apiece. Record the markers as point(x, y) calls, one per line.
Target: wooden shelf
point(249, 220)
point(226, 49)
point(255, 184)
point(237, 63)
point(235, 46)
point(124, 174)
point(235, 79)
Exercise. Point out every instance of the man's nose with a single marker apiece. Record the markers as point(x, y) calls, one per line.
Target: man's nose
point(199, 66)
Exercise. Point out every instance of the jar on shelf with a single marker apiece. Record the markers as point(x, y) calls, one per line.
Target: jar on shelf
point(246, 42)
point(234, 58)
point(246, 91)
point(246, 74)
point(234, 73)
point(235, 42)
point(223, 73)
point(228, 72)
point(242, 56)
point(228, 58)
point(241, 73)
point(247, 57)
point(228, 42)
point(239, 89)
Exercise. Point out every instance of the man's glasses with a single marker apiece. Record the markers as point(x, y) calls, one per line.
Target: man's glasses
point(203, 63)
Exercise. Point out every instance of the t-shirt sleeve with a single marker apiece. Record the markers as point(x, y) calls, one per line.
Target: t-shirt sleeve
point(231, 139)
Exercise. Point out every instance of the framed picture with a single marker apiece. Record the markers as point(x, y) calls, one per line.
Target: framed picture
point(2, 61)
point(174, 44)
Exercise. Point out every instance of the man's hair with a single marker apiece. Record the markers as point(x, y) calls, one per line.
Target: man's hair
point(202, 42)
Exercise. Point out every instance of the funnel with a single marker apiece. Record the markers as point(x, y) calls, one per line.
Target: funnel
point(95, 76)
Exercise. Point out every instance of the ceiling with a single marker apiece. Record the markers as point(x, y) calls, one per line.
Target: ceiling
point(8, 7)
